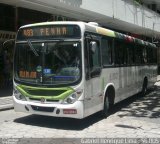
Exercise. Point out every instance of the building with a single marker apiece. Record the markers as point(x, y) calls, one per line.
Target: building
point(139, 18)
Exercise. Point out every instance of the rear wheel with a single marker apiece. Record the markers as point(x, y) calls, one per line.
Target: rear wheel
point(144, 88)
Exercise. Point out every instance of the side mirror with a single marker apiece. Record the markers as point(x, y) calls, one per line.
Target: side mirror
point(93, 46)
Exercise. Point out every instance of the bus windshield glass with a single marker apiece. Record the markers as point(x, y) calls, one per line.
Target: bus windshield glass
point(48, 63)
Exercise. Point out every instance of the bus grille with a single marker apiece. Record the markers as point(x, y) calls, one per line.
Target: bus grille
point(47, 100)
point(43, 92)
point(43, 109)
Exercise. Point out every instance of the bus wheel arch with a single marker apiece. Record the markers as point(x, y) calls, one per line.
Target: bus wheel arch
point(109, 96)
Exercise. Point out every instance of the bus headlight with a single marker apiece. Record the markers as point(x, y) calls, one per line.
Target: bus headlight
point(73, 97)
point(18, 95)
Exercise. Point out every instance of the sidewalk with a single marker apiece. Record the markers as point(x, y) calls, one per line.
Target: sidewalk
point(6, 102)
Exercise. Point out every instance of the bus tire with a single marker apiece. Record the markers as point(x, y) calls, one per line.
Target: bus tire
point(108, 101)
point(144, 87)
point(104, 112)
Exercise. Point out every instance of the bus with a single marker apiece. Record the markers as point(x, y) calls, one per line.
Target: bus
point(75, 69)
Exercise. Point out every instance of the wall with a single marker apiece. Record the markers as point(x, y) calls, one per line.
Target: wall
point(124, 10)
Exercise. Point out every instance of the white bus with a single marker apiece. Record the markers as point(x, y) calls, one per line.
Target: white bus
point(75, 69)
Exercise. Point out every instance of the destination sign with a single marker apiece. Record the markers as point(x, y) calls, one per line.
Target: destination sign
point(49, 31)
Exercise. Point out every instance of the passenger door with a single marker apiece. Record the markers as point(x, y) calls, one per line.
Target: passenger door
point(93, 92)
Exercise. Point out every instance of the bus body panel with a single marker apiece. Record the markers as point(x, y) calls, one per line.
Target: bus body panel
point(93, 101)
point(128, 80)
point(19, 106)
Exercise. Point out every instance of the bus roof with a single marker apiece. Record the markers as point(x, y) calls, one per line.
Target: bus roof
point(95, 29)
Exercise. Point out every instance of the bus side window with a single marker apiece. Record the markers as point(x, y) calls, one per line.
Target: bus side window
point(106, 46)
point(152, 55)
point(86, 57)
point(144, 54)
point(138, 55)
point(94, 54)
point(120, 53)
point(92, 58)
point(130, 54)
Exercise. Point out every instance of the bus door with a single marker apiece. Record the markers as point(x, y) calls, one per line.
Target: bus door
point(93, 93)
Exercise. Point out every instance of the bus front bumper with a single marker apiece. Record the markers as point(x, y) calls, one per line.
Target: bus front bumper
point(74, 110)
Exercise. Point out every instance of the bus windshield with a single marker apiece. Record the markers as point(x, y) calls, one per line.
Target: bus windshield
point(48, 62)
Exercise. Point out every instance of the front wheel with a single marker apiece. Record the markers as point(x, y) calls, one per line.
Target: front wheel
point(104, 112)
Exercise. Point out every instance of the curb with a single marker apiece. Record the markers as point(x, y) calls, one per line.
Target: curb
point(6, 103)
point(8, 107)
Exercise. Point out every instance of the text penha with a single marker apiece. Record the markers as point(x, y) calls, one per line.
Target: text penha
point(45, 31)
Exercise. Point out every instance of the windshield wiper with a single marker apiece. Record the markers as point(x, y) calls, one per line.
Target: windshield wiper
point(32, 48)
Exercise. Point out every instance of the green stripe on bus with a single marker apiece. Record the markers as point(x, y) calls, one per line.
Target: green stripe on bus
point(64, 92)
point(106, 32)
